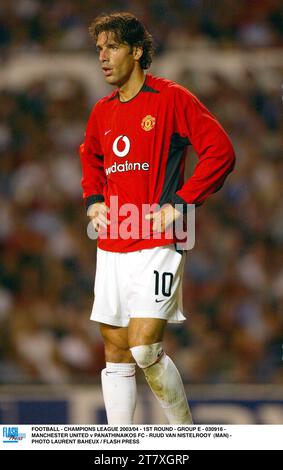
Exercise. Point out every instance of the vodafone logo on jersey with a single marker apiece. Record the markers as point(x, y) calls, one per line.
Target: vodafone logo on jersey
point(127, 145)
point(121, 147)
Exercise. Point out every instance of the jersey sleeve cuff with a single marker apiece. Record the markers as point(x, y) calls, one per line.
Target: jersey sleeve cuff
point(93, 199)
point(183, 205)
point(181, 202)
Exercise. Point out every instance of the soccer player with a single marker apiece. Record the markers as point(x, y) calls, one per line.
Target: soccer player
point(133, 154)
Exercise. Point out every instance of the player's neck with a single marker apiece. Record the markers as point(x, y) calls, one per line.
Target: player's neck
point(131, 88)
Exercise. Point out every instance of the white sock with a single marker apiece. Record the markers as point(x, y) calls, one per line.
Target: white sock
point(166, 384)
point(119, 392)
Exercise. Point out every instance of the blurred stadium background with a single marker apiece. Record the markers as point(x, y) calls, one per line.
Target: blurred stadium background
point(230, 350)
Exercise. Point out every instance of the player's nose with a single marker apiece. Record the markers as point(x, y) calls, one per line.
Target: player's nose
point(103, 55)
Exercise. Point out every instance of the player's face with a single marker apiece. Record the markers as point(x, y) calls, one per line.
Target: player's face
point(117, 60)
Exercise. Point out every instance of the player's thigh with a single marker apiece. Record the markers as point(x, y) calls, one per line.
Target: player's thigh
point(116, 343)
point(142, 331)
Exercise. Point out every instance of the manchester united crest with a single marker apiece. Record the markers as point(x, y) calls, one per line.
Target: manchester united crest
point(148, 123)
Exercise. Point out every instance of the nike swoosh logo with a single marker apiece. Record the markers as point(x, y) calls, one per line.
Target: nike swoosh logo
point(159, 300)
point(107, 132)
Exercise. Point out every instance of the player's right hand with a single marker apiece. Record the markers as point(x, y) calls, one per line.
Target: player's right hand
point(97, 212)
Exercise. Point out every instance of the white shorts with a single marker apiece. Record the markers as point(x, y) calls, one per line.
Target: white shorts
point(144, 284)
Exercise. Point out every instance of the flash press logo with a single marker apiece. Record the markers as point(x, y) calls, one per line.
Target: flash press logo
point(11, 434)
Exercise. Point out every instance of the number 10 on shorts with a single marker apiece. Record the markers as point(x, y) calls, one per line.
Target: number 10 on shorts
point(163, 281)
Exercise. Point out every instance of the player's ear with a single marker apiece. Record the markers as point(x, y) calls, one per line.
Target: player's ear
point(137, 52)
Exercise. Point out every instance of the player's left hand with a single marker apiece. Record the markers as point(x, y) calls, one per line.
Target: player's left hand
point(163, 218)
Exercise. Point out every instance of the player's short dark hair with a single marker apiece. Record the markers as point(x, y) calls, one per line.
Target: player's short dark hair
point(127, 29)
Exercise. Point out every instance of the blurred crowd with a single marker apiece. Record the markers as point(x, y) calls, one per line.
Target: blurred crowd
point(61, 25)
point(233, 285)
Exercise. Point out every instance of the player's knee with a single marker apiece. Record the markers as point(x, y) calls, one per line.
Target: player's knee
point(147, 355)
point(114, 353)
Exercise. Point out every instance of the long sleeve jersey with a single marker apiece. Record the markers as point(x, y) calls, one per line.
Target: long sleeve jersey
point(133, 155)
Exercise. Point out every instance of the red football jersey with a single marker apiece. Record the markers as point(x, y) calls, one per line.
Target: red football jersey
point(135, 150)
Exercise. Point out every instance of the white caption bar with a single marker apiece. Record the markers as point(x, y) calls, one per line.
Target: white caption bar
point(142, 437)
